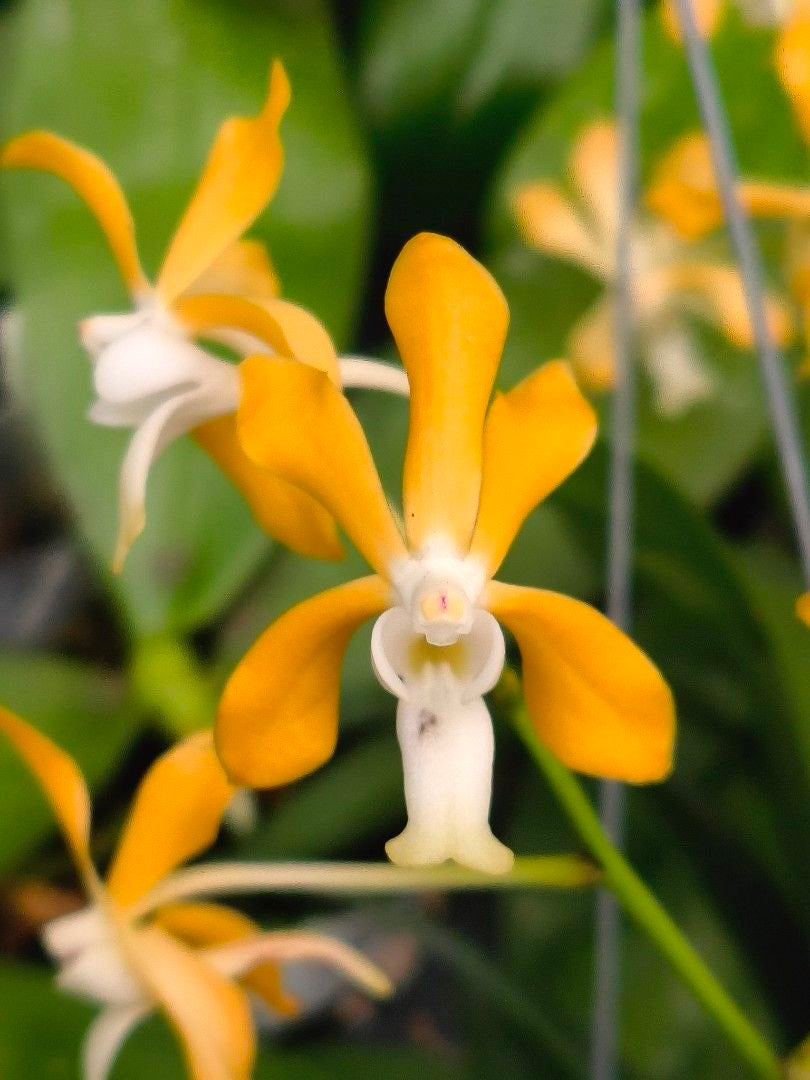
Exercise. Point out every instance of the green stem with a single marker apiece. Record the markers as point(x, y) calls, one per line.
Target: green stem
point(646, 911)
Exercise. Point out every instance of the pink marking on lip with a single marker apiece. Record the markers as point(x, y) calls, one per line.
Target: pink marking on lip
point(443, 601)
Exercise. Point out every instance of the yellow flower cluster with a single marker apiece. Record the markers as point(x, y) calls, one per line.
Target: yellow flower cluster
point(276, 420)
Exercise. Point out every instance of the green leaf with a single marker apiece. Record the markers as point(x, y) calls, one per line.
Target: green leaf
point(81, 709)
point(146, 86)
point(706, 447)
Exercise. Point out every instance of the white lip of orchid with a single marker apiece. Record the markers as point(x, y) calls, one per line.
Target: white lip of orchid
point(440, 590)
point(91, 961)
point(447, 747)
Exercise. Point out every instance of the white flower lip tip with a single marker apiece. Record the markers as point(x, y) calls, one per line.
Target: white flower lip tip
point(482, 851)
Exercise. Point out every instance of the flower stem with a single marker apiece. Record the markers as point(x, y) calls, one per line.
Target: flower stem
point(353, 879)
point(645, 910)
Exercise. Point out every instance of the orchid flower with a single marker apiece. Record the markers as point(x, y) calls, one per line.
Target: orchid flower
point(473, 471)
point(672, 279)
point(149, 371)
point(196, 962)
point(684, 190)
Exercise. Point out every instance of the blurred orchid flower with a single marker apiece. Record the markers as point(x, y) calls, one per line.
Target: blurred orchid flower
point(684, 190)
point(473, 471)
point(672, 279)
point(196, 962)
point(149, 371)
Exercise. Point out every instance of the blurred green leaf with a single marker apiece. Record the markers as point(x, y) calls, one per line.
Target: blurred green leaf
point(705, 448)
point(179, 70)
point(81, 709)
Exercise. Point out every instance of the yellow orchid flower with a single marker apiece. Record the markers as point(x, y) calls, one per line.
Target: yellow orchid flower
point(148, 369)
point(196, 962)
point(672, 279)
point(684, 190)
point(473, 471)
point(803, 608)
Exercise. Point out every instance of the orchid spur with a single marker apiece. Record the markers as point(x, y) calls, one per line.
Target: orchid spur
point(149, 370)
point(673, 279)
point(473, 471)
point(196, 962)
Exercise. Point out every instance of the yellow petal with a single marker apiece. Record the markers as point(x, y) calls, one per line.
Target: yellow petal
point(94, 183)
point(534, 437)
point(803, 608)
point(594, 169)
point(718, 294)
point(449, 320)
point(285, 328)
point(596, 700)
point(278, 716)
point(175, 815)
point(62, 785)
point(210, 1014)
point(293, 421)
point(239, 179)
point(243, 269)
point(792, 60)
point(707, 15)
point(284, 511)
point(683, 189)
point(591, 347)
point(201, 314)
point(202, 925)
point(549, 222)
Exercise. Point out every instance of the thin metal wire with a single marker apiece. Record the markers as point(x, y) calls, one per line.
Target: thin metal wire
point(607, 966)
point(780, 399)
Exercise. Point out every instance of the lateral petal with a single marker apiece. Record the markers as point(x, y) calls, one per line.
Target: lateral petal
point(293, 421)
point(201, 925)
point(596, 700)
point(449, 320)
point(175, 815)
point(62, 785)
point(594, 168)
point(278, 716)
point(534, 437)
point(549, 222)
point(239, 179)
point(93, 183)
point(717, 292)
point(284, 511)
point(106, 1036)
point(210, 1014)
point(683, 190)
point(243, 269)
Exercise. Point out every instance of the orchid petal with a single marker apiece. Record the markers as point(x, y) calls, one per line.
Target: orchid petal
point(790, 57)
point(62, 785)
point(94, 184)
point(204, 925)
point(591, 347)
point(105, 1037)
point(549, 222)
point(210, 1014)
point(707, 15)
point(243, 269)
point(596, 700)
point(277, 718)
point(169, 420)
point(717, 292)
point(293, 421)
point(239, 179)
point(594, 168)
point(239, 959)
point(534, 437)
point(683, 189)
point(283, 510)
point(175, 815)
point(449, 320)
point(803, 608)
